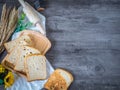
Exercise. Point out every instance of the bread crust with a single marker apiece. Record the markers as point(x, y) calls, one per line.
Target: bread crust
point(38, 37)
point(6, 47)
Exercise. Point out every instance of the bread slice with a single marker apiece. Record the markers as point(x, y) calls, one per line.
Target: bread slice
point(23, 52)
point(66, 75)
point(6, 64)
point(42, 43)
point(59, 80)
point(22, 40)
point(10, 67)
point(35, 67)
point(13, 56)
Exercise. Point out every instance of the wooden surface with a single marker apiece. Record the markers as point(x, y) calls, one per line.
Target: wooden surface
point(85, 36)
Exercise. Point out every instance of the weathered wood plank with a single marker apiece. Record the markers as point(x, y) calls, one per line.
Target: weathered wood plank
point(86, 42)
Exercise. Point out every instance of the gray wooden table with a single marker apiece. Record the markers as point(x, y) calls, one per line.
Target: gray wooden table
point(85, 36)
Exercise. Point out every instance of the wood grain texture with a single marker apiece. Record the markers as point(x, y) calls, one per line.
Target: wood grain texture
point(85, 36)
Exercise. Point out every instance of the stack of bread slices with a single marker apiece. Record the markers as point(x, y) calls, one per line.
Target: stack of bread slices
point(26, 55)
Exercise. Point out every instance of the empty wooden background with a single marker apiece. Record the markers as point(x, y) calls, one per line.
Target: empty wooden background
point(85, 36)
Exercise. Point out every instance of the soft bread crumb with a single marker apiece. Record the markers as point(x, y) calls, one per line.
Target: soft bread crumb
point(35, 67)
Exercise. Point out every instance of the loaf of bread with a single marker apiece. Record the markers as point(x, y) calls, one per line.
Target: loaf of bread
point(22, 53)
point(23, 40)
point(59, 80)
point(35, 67)
point(41, 42)
point(25, 55)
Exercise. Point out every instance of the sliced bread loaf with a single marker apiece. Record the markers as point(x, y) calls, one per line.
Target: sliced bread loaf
point(23, 52)
point(22, 40)
point(35, 67)
point(59, 80)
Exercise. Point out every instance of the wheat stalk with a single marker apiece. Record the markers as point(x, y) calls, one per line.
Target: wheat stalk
point(8, 24)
